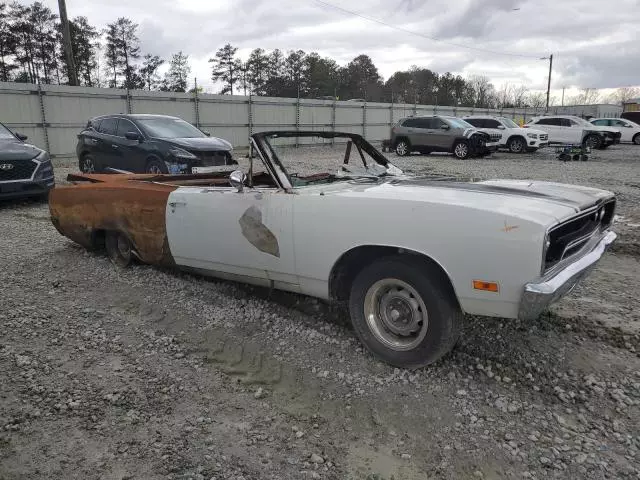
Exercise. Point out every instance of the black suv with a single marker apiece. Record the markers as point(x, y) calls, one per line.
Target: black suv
point(25, 170)
point(149, 144)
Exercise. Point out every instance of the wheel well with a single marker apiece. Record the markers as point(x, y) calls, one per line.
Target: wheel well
point(517, 136)
point(352, 262)
point(98, 239)
point(635, 136)
point(401, 137)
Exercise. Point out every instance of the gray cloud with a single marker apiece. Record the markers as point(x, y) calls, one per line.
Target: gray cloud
point(594, 44)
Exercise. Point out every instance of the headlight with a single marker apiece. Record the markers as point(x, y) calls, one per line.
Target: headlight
point(45, 169)
point(181, 154)
point(532, 135)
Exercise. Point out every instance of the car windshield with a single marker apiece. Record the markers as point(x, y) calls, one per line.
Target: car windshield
point(5, 133)
point(169, 128)
point(582, 121)
point(312, 160)
point(458, 123)
point(507, 122)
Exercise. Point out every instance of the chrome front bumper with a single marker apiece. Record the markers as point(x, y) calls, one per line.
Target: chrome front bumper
point(539, 295)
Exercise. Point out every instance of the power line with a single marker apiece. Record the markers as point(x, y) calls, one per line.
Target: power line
point(411, 32)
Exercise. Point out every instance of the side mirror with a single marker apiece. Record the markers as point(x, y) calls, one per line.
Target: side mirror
point(237, 179)
point(21, 136)
point(501, 127)
point(208, 134)
point(444, 127)
point(132, 136)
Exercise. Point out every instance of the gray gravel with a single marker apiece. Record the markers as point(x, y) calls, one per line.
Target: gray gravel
point(147, 373)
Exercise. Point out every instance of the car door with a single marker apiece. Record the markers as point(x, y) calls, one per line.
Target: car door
point(493, 127)
point(552, 127)
point(104, 153)
point(412, 132)
point(572, 132)
point(127, 153)
point(243, 235)
point(441, 138)
point(625, 128)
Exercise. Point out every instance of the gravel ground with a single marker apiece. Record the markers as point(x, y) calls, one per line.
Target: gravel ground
point(153, 374)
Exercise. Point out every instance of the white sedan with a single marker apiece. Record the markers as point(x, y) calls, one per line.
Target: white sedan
point(408, 255)
point(630, 130)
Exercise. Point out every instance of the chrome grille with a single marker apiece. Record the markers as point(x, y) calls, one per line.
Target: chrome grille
point(569, 237)
point(212, 159)
point(16, 169)
point(495, 137)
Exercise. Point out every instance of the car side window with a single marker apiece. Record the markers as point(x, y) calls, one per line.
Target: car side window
point(426, 123)
point(95, 124)
point(549, 121)
point(565, 122)
point(410, 122)
point(490, 123)
point(476, 122)
point(602, 123)
point(108, 126)
point(125, 126)
point(619, 123)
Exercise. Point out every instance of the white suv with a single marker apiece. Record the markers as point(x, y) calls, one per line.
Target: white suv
point(513, 137)
point(630, 130)
point(574, 130)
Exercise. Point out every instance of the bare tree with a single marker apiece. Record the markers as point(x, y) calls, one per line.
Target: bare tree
point(536, 99)
point(624, 94)
point(483, 91)
point(587, 96)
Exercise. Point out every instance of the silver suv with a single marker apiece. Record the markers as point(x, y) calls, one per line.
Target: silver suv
point(439, 133)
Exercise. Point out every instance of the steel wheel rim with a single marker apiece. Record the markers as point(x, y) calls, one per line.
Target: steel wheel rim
point(87, 165)
point(154, 169)
point(396, 314)
point(123, 247)
point(401, 149)
point(593, 142)
point(636, 139)
point(461, 150)
point(516, 146)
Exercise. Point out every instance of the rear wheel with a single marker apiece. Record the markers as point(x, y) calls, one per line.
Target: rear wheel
point(461, 149)
point(516, 145)
point(402, 148)
point(403, 314)
point(119, 249)
point(636, 139)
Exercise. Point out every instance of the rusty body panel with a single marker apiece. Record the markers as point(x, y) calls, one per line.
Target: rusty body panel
point(129, 204)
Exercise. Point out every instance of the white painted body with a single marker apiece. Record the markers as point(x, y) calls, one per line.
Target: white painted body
point(532, 136)
point(493, 236)
point(628, 128)
point(573, 132)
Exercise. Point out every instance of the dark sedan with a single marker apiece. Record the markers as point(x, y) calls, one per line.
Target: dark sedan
point(149, 144)
point(25, 170)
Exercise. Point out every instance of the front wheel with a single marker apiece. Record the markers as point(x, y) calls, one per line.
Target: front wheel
point(636, 139)
point(593, 141)
point(403, 314)
point(156, 167)
point(461, 150)
point(517, 145)
point(87, 164)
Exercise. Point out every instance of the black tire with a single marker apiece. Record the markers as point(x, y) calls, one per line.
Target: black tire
point(87, 164)
point(584, 158)
point(155, 166)
point(565, 157)
point(593, 141)
point(461, 149)
point(119, 249)
point(517, 145)
point(403, 147)
point(636, 139)
point(420, 289)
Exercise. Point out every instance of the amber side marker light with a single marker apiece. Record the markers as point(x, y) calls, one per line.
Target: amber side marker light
point(486, 286)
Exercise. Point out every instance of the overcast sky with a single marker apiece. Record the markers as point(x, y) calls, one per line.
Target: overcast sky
point(595, 44)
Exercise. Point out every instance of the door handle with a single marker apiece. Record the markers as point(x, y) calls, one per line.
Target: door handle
point(177, 204)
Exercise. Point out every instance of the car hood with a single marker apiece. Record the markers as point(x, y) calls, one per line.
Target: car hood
point(530, 130)
point(200, 143)
point(545, 203)
point(17, 150)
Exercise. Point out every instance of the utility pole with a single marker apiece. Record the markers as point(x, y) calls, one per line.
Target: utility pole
point(563, 95)
point(549, 79)
point(68, 48)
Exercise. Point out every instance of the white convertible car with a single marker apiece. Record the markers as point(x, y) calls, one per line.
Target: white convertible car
point(408, 255)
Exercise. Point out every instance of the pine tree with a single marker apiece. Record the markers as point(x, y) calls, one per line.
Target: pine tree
point(149, 71)
point(226, 68)
point(7, 44)
point(177, 76)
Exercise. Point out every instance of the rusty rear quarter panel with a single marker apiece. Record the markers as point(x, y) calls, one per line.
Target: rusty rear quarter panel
point(122, 203)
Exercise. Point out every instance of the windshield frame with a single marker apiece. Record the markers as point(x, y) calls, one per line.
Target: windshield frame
point(3, 129)
point(453, 120)
point(140, 123)
point(507, 122)
point(271, 161)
